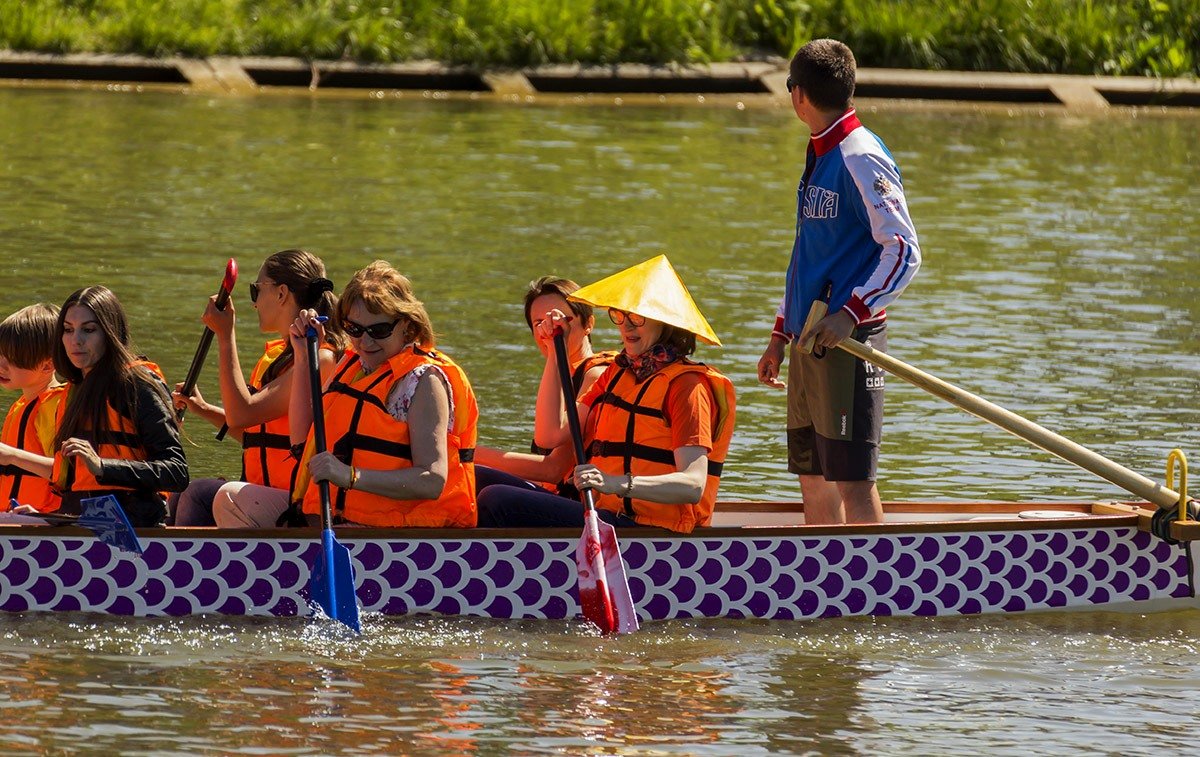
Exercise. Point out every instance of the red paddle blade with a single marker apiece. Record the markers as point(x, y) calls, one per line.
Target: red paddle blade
point(618, 585)
point(603, 591)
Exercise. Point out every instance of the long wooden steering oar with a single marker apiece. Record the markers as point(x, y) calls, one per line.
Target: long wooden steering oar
point(332, 583)
point(1134, 483)
point(193, 374)
point(603, 590)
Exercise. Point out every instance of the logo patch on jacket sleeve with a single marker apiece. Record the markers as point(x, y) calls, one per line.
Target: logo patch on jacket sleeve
point(882, 186)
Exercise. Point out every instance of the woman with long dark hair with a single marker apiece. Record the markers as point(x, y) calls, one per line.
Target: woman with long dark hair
point(117, 432)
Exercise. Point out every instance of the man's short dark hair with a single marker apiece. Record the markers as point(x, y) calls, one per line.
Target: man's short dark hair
point(824, 69)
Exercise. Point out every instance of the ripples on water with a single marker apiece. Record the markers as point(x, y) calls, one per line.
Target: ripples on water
point(462, 686)
point(1059, 282)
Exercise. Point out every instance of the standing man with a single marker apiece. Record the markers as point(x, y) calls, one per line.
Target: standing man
point(856, 248)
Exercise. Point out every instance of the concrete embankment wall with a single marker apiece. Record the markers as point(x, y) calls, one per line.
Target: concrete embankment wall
point(219, 75)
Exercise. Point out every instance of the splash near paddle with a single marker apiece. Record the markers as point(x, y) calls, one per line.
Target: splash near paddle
point(604, 593)
point(332, 583)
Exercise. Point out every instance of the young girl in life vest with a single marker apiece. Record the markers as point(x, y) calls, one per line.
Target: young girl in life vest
point(117, 432)
point(543, 297)
point(27, 438)
point(400, 416)
point(656, 425)
point(256, 411)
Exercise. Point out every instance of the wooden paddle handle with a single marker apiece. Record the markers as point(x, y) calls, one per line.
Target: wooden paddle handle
point(815, 314)
point(1134, 483)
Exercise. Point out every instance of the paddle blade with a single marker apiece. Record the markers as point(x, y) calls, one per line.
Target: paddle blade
point(105, 517)
point(603, 591)
point(332, 583)
point(618, 585)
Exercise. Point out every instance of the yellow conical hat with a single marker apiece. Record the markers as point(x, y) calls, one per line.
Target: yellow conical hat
point(652, 289)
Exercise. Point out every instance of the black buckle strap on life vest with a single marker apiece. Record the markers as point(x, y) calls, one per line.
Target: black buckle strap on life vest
point(265, 439)
point(359, 395)
point(466, 455)
point(630, 445)
point(600, 448)
point(354, 442)
point(627, 451)
point(12, 470)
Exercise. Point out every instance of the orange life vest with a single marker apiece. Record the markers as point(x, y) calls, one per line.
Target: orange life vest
point(30, 425)
point(629, 433)
point(605, 358)
point(361, 432)
point(267, 448)
point(118, 440)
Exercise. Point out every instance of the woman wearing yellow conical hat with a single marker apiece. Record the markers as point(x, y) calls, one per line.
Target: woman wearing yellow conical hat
point(656, 424)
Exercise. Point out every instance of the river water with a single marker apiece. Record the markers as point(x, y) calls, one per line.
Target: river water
point(1060, 257)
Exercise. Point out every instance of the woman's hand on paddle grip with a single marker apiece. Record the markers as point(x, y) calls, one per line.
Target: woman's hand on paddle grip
point(588, 476)
point(298, 331)
point(544, 328)
point(325, 467)
point(195, 402)
point(82, 449)
point(220, 322)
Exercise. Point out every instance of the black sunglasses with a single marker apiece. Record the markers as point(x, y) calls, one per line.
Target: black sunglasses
point(791, 84)
point(254, 289)
point(376, 331)
point(618, 317)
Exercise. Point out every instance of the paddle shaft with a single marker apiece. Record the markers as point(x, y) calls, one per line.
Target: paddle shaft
point(1132, 482)
point(318, 410)
point(568, 392)
point(193, 374)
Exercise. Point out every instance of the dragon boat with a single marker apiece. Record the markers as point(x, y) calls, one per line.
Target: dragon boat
point(758, 560)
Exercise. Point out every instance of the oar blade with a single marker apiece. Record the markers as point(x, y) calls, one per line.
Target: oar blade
point(332, 583)
point(618, 586)
point(604, 593)
point(105, 517)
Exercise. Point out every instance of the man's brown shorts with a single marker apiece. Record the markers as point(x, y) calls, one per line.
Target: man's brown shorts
point(835, 410)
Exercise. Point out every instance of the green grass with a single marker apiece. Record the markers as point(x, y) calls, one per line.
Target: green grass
point(1139, 37)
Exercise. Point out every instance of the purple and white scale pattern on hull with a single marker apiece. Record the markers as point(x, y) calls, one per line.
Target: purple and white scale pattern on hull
point(769, 577)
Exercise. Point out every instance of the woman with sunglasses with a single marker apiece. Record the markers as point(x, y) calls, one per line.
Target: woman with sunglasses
point(544, 296)
point(256, 411)
point(400, 416)
point(656, 425)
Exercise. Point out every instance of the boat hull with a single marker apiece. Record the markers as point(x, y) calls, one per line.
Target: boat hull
point(942, 569)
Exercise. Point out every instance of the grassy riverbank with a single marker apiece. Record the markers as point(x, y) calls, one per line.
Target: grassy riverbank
point(1139, 37)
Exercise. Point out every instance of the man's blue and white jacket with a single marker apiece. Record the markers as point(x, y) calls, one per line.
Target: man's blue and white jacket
point(853, 229)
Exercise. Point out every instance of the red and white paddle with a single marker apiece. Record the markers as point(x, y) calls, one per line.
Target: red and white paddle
point(603, 589)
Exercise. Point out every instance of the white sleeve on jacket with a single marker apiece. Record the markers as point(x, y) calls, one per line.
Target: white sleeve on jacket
point(882, 197)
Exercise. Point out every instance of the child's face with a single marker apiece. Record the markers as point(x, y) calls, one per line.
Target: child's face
point(20, 379)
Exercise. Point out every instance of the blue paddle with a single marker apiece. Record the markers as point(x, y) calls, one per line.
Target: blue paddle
point(332, 584)
point(104, 517)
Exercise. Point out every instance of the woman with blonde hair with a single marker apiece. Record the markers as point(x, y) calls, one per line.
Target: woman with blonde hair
point(400, 416)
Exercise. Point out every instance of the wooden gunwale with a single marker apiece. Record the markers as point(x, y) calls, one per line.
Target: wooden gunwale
point(1101, 515)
